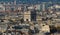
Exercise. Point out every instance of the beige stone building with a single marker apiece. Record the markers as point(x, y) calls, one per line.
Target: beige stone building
point(27, 16)
point(2, 8)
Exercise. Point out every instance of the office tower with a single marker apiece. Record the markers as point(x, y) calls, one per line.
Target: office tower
point(33, 15)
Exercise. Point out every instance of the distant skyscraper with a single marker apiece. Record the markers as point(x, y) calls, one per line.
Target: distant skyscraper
point(38, 6)
point(14, 2)
point(43, 8)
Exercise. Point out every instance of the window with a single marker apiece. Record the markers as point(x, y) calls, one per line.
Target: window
point(1, 8)
point(26, 19)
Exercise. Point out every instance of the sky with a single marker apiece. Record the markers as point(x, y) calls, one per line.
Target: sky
point(30, 1)
point(41, 0)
